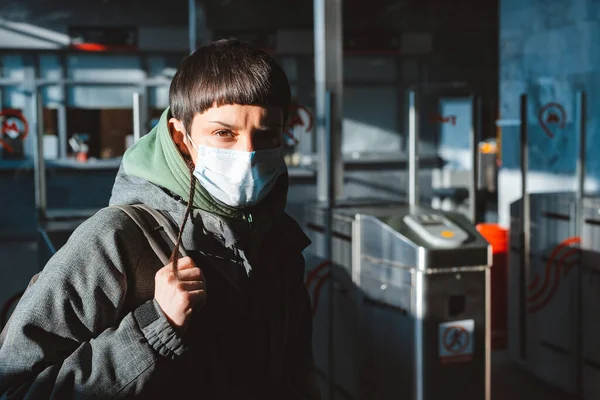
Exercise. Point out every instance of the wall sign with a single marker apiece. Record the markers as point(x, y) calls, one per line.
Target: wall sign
point(13, 131)
point(552, 114)
point(456, 341)
point(439, 119)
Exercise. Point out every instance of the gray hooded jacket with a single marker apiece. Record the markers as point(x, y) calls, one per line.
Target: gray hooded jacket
point(90, 329)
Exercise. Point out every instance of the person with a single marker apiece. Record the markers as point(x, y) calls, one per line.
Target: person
point(232, 320)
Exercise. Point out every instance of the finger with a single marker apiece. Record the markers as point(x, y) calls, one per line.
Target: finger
point(191, 274)
point(185, 263)
point(191, 286)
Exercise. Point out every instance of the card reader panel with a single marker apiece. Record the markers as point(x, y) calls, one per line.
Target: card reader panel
point(436, 229)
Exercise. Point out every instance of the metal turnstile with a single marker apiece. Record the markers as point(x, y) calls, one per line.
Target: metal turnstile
point(554, 270)
point(410, 303)
point(406, 313)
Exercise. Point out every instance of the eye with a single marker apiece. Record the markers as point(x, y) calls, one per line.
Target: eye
point(223, 134)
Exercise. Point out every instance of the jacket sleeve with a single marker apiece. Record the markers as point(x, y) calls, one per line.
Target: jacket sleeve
point(69, 336)
point(299, 360)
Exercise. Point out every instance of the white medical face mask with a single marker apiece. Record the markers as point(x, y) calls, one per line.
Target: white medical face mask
point(238, 178)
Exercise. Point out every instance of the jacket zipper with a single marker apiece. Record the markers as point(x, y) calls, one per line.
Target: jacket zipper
point(249, 219)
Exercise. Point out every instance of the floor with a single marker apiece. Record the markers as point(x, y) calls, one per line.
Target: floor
point(509, 382)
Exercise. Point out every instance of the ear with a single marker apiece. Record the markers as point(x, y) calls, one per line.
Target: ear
point(177, 131)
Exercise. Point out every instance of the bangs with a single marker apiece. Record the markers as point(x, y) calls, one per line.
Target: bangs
point(227, 72)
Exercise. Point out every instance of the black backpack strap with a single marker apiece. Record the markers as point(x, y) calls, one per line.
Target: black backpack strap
point(167, 225)
point(139, 213)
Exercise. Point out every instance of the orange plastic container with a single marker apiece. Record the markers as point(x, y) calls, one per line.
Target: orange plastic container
point(497, 237)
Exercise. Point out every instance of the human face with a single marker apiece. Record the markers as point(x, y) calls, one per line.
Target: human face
point(235, 127)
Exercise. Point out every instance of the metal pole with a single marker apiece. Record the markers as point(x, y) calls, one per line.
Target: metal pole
point(475, 135)
point(413, 150)
point(39, 164)
point(137, 119)
point(192, 24)
point(62, 109)
point(329, 78)
point(62, 130)
point(329, 157)
point(328, 128)
point(525, 229)
point(581, 131)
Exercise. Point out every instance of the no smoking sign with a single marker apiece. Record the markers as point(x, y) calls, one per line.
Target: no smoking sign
point(456, 341)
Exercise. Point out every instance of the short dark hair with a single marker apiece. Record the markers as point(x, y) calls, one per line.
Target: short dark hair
point(227, 71)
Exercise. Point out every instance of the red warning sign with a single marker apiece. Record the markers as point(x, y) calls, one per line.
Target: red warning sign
point(13, 129)
point(456, 341)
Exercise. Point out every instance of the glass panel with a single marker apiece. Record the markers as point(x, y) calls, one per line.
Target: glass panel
point(158, 97)
point(50, 69)
point(455, 127)
point(105, 67)
point(13, 67)
point(14, 97)
point(163, 66)
point(52, 96)
point(101, 96)
point(370, 122)
point(290, 66)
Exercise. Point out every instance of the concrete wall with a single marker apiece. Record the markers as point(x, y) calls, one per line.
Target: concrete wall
point(548, 50)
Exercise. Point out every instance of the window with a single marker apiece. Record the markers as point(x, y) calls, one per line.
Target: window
point(370, 122)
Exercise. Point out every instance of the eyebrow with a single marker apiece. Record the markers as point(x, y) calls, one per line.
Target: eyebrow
point(260, 128)
point(222, 124)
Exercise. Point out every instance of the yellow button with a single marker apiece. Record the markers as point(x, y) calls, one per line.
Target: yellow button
point(447, 234)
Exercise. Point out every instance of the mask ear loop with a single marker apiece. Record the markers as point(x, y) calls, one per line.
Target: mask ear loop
point(189, 137)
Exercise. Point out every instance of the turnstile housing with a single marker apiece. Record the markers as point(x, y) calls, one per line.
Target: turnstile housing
point(399, 303)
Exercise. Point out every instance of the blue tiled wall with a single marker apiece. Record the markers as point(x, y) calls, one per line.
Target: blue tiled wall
point(550, 50)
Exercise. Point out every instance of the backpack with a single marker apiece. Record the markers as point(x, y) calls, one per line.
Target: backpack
point(157, 229)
